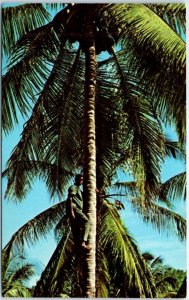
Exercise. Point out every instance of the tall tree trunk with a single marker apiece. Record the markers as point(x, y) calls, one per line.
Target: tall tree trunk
point(90, 155)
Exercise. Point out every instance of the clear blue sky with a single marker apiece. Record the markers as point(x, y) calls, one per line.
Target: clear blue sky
point(15, 215)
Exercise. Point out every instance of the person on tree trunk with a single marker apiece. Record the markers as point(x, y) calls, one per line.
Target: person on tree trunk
point(75, 213)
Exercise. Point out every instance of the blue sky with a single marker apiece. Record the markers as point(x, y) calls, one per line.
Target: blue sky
point(15, 215)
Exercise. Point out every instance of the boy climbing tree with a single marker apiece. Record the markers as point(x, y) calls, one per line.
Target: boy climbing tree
point(75, 213)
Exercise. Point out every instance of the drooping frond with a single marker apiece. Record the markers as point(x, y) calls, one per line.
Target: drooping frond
point(174, 149)
point(174, 188)
point(172, 13)
point(156, 53)
point(22, 274)
point(18, 272)
point(136, 131)
point(21, 178)
point(162, 219)
point(130, 190)
point(41, 140)
point(29, 67)
point(108, 115)
point(114, 236)
point(61, 259)
point(146, 144)
point(28, 73)
point(18, 291)
point(102, 274)
point(41, 42)
point(37, 227)
point(66, 114)
point(19, 20)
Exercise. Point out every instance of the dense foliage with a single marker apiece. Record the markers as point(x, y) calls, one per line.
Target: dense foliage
point(138, 89)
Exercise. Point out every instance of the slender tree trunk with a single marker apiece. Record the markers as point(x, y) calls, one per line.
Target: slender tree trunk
point(90, 157)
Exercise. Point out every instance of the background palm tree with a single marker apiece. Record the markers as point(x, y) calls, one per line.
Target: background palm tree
point(16, 272)
point(51, 134)
point(168, 281)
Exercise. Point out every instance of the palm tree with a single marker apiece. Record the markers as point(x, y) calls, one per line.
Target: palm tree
point(168, 281)
point(62, 76)
point(16, 271)
point(58, 276)
point(115, 247)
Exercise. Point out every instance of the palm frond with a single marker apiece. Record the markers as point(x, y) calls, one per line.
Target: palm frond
point(161, 218)
point(167, 280)
point(22, 274)
point(40, 137)
point(174, 149)
point(55, 6)
point(18, 272)
point(19, 88)
point(127, 187)
point(25, 79)
point(36, 227)
point(174, 188)
point(41, 42)
point(29, 67)
point(157, 261)
point(21, 175)
point(65, 132)
point(112, 234)
point(17, 291)
point(103, 276)
point(183, 288)
point(147, 149)
point(151, 46)
point(148, 30)
point(19, 20)
point(172, 13)
point(138, 129)
point(61, 259)
point(148, 256)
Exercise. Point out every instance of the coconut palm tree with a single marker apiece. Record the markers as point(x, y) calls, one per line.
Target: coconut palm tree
point(16, 271)
point(59, 275)
point(150, 63)
point(168, 281)
point(115, 247)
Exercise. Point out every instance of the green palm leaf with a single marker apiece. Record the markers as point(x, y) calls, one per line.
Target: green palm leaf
point(18, 291)
point(22, 274)
point(161, 218)
point(112, 234)
point(174, 149)
point(174, 188)
point(148, 29)
point(14, 279)
point(37, 227)
point(22, 173)
point(140, 132)
point(60, 262)
point(20, 19)
point(173, 13)
point(153, 49)
point(103, 276)
point(54, 109)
